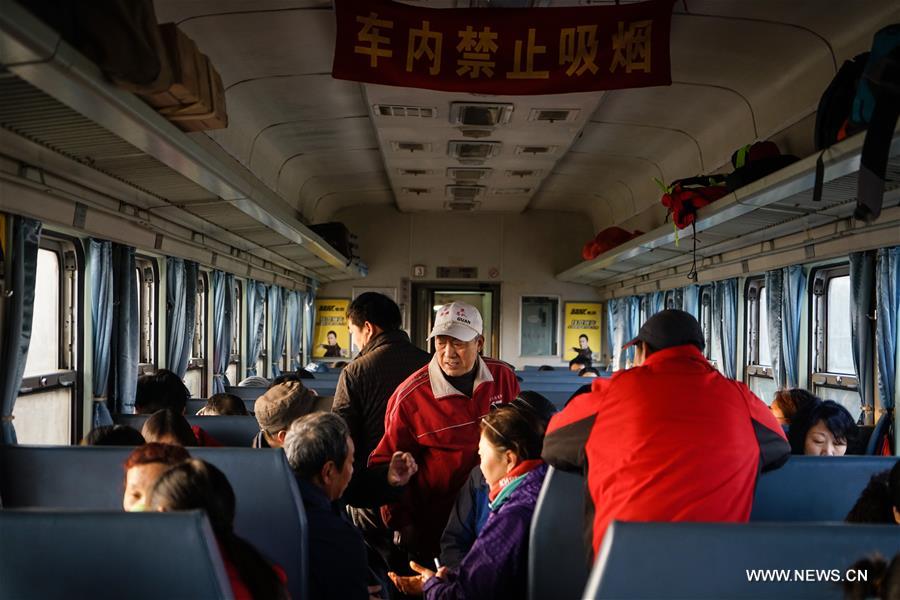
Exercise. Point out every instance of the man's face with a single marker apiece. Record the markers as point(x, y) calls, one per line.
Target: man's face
point(361, 335)
point(457, 357)
point(583, 342)
point(342, 479)
point(332, 339)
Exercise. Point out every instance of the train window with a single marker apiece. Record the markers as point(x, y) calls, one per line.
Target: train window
point(145, 281)
point(760, 378)
point(670, 299)
point(46, 409)
point(834, 376)
point(540, 326)
point(195, 378)
point(234, 362)
point(706, 324)
point(262, 361)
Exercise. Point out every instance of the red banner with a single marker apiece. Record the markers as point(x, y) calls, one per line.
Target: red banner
point(504, 50)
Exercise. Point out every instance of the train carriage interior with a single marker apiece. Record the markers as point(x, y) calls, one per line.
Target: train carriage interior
point(204, 187)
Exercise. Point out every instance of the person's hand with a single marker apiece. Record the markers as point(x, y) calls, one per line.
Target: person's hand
point(403, 466)
point(375, 592)
point(413, 584)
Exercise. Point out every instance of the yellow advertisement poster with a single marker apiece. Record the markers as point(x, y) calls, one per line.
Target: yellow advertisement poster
point(582, 330)
point(331, 339)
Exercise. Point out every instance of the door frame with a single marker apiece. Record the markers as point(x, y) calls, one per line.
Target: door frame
point(422, 300)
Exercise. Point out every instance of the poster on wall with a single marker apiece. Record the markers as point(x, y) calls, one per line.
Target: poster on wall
point(331, 339)
point(582, 330)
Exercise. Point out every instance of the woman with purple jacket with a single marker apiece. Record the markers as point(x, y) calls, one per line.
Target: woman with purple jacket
point(497, 564)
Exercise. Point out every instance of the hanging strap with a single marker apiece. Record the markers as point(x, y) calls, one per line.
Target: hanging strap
point(820, 176)
point(693, 275)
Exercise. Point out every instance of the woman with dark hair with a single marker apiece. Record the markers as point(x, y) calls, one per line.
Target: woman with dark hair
point(143, 467)
point(113, 435)
point(168, 427)
point(222, 405)
point(822, 429)
point(790, 402)
point(496, 565)
point(195, 484)
point(874, 503)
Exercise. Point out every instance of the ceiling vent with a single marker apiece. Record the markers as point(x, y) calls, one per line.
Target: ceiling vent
point(513, 191)
point(410, 146)
point(480, 114)
point(476, 133)
point(460, 205)
point(523, 173)
point(465, 192)
point(535, 150)
point(418, 191)
point(395, 110)
point(554, 115)
point(468, 175)
point(415, 172)
point(473, 152)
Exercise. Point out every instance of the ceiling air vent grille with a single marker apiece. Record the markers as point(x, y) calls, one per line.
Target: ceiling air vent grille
point(480, 114)
point(535, 150)
point(460, 206)
point(465, 192)
point(410, 146)
point(418, 191)
point(468, 175)
point(415, 172)
point(512, 191)
point(396, 110)
point(554, 115)
point(473, 152)
point(523, 173)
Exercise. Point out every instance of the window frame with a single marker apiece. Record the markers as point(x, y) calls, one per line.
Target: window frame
point(558, 334)
point(70, 372)
point(148, 265)
point(705, 303)
point(752, 306)
point(237, 316)
point(202, 308)
point(819, 375)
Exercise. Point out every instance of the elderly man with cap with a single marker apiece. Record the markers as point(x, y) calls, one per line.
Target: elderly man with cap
point(435, 416)
point(670, 439)
point(275, 410)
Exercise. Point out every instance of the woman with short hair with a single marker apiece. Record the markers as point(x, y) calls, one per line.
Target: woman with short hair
point(823, 429)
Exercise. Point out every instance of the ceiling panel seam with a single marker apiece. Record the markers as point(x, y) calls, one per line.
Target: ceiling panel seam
point(278, 76)
point(293, 122)
point(819, 36)
point(322, 197)
point(662, 128)
point(662, 176)
point(311, 177)
point(252, 12)
point(727, 89)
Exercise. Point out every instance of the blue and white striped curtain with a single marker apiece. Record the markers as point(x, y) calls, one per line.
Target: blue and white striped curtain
point(725, 326)
point(888, 324)
point(634, 324)
point(100, 263)
point(657, 303)
point(862, 284)
point(785, 293)
point(276, 314)
point(17, 318)
point(611, 314)
point(256, 325)
point(309, 316)
point(295, 327)
point(181, 313)
point(223, 305)
point(690, 297)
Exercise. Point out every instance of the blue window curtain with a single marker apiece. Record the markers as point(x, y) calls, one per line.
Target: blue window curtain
point(100, 264)
point(634, 324)
point(888, 323)
point(791, 307)
point(18, 313)
point(862, 284)
point(125, 344)
point(621, 325)
point(276, 313)
point(309, 317)
point(774, 282)
point(657, 303)
point(295, 327)
point(690, 297)
point(256, 326)
point(725, 326)
point(181, 313)
point(223, 304)
point(612, 309)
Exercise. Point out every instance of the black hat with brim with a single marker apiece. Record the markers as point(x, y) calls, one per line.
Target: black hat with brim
point(670, 328)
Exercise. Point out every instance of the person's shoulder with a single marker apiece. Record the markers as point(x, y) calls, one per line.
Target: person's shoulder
point(412, 383)
point(498, 367)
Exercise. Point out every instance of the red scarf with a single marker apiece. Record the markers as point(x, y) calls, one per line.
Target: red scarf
point(520, 469)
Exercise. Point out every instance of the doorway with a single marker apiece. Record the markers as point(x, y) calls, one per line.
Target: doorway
point(427, 298)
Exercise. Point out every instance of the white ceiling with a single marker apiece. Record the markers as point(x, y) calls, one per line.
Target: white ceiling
point(742, 70)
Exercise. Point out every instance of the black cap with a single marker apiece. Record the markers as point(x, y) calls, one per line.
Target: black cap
point(669, 328)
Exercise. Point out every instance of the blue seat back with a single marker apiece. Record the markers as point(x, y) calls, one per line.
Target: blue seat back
point(195, 404)
point(229, 430)
point(109, 555)
point(557, 554)
point(269, 515)
point(814, 488)
point(246, 392)
point(711, 560)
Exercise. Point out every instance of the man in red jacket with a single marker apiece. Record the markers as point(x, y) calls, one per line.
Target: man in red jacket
point(435, 416)
point(668, 440)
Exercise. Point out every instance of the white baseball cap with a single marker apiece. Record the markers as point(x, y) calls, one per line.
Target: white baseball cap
point(458, 320)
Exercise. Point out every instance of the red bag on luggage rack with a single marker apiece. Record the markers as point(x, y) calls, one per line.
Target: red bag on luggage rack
point(685, 196)
point(606, 240)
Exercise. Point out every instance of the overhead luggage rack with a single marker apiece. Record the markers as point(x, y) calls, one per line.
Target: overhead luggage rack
point(205, 181)
point(735, 233)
